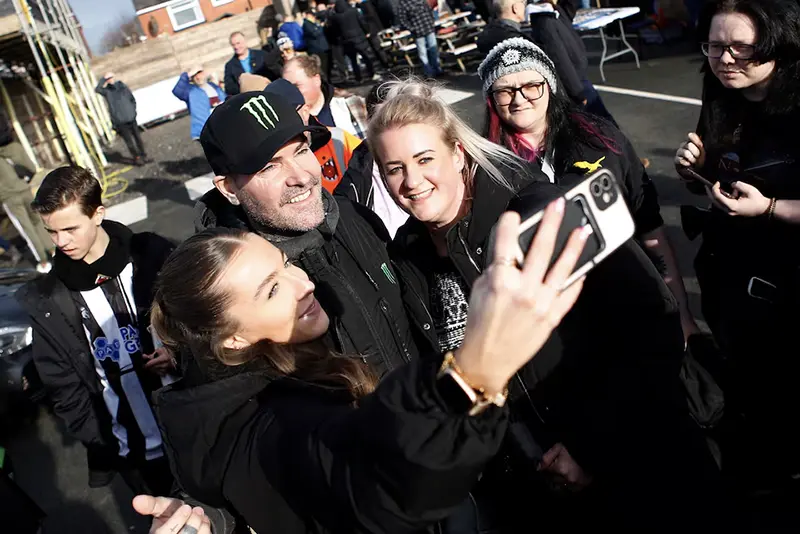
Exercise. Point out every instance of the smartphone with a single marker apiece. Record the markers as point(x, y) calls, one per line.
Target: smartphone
point(688, 173)
point(597, 202)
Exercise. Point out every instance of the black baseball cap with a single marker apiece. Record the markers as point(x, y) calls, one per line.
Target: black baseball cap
point(244, 133)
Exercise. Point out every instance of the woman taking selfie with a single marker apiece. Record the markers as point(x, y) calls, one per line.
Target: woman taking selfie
point(748, 146)
point(529, 113)
point(577, 416)
point(296, 439)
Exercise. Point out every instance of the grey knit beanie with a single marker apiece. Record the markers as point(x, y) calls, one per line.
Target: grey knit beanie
point(516, 55)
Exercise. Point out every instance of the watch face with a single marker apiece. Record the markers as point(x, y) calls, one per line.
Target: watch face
point(455, 398)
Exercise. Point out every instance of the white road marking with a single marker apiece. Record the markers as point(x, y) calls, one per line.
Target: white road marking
point(198, 186)
point(451, 96)
point(647, 94)
point(128, 212)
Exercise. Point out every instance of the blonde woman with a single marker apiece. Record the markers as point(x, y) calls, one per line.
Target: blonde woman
point(573, 420)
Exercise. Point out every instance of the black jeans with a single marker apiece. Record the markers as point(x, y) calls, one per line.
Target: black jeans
point(325, 64)
point(338, 64)
point(352, 50)
point(149, 478)
point(130, 134)
point(380, 55)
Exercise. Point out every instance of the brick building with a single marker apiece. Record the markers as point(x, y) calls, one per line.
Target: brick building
point(157, 16)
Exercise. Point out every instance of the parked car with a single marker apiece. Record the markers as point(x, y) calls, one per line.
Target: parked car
point(19, 381)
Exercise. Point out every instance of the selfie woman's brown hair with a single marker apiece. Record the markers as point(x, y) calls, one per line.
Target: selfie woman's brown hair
point(204, 329)
point(292, 437)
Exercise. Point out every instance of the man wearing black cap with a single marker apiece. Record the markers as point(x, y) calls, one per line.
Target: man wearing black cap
point(258, 147)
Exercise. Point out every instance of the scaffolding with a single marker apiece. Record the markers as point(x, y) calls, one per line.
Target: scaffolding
point(56, 74)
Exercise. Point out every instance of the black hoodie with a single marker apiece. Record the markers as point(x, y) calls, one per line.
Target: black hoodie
point(347, 24)
point(553, 31)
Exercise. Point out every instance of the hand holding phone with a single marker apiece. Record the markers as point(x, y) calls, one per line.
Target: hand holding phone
point(596, 202)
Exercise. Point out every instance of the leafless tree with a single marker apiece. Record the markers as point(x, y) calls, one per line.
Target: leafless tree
point(124, 32)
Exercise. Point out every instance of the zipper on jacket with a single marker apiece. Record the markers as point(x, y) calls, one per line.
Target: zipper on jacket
point(528, 396)
point(365, 316)
point(355, 192)
point(421, 303)
point(370, 203)
point(466, 249)
point(390, 319)
point(372, 280)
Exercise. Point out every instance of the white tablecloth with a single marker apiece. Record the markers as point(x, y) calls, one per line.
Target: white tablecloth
point(594, 19)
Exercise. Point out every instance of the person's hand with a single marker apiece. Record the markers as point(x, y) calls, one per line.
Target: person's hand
point(691, 153)
point(252, 82)
point(746, 200)
point(513, 311)
point(172, 516)
point(559, 462)
point(160, 362)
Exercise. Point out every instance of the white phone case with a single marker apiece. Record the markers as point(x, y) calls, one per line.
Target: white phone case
point(614, 222)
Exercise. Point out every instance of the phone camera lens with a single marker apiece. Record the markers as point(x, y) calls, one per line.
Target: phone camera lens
point(597, 189)
point(605, 182)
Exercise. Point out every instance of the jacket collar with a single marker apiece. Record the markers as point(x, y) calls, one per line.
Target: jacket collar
point(213, 210)
point(510, 23)
point(489, 201)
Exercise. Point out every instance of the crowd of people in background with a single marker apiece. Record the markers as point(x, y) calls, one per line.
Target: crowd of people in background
point(348, 343)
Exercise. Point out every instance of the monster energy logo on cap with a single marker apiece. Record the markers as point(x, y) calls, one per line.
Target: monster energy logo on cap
point(259, 108)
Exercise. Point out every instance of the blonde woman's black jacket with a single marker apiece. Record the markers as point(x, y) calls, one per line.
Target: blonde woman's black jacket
point(607, 378)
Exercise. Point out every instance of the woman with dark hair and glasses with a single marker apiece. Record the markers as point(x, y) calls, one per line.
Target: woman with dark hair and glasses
point(748, 146)
point(529, 113)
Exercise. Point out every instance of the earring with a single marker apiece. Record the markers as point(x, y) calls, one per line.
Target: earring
point(233, 200)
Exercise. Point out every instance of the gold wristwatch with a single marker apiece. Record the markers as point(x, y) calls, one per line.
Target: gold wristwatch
point(459, 394)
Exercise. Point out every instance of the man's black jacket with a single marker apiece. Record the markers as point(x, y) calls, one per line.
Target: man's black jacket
point(259, 64)
point(351, 270)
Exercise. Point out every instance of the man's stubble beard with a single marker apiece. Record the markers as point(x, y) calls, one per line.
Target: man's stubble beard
point(282, 220)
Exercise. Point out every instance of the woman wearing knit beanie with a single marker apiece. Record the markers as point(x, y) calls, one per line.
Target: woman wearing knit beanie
point(529, 113)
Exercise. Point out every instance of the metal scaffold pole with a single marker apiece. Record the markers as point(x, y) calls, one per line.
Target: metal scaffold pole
point(80, 59)
point(54, 88)
point(77, 94)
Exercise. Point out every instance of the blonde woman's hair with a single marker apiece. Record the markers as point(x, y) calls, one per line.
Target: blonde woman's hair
point(413, 101)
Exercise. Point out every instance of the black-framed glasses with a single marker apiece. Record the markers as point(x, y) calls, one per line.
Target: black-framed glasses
point(529, 91)
point(716, 50)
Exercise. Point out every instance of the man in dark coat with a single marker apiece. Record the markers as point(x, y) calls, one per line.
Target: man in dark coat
point(249, 60)
point(370, 15)
point(340, 245)
point(122, 108)
point(509, 15)
point(551, 28)
point(317, 43)
point(348, 27)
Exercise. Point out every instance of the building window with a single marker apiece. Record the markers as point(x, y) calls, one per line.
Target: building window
point(217, 3)
point(185, 14)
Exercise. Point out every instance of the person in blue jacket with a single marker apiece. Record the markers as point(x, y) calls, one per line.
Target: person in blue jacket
point(294, 31)
point(201, 97)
